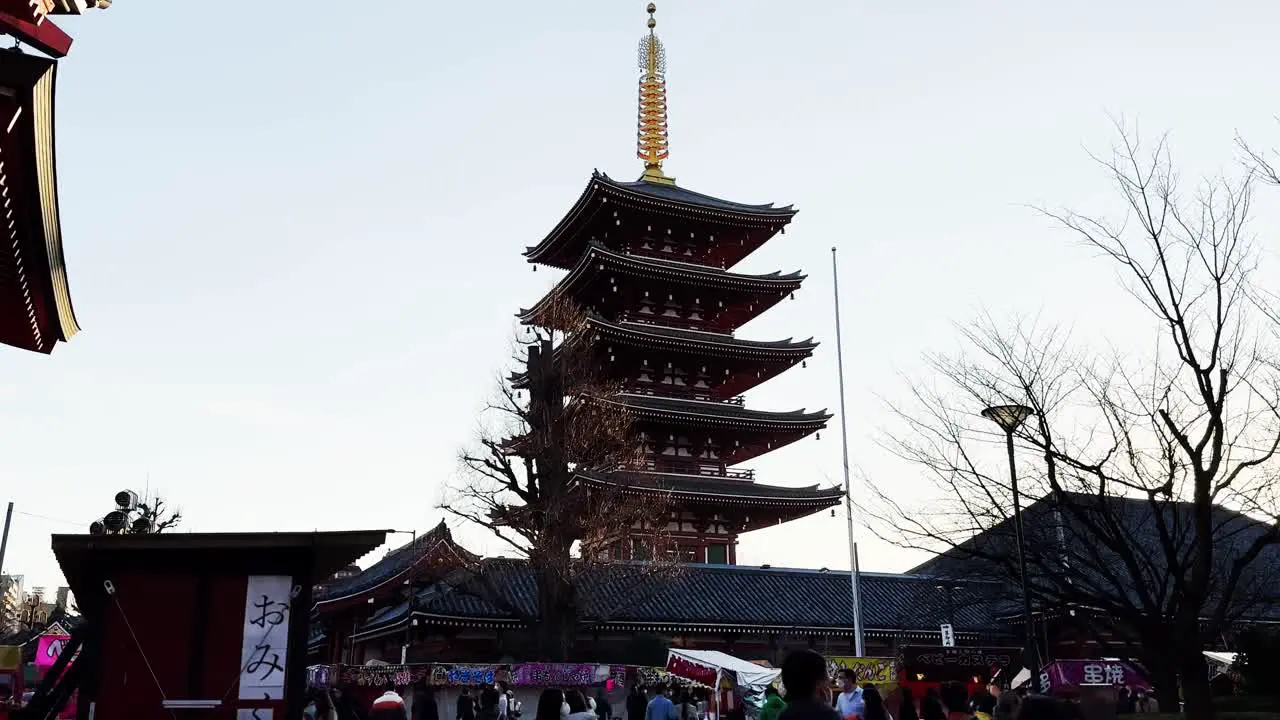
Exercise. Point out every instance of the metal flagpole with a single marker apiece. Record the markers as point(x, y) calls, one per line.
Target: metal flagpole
point(848, 484)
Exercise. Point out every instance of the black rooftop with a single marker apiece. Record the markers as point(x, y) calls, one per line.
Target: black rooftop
point(715, 411)
point(675, 194)
point(562, 245)
point(721, 595)
point(387, 569)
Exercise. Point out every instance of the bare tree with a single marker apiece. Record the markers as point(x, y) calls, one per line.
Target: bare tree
point(159, 517)
point(521, 481)
point(1156, 473)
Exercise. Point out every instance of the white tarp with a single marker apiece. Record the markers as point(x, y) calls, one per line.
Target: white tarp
point(747, 675)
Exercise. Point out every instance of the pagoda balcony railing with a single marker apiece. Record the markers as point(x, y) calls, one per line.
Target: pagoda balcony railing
point(695, 466)
point(683, 392)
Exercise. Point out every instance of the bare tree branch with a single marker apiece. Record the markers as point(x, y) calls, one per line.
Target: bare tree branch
point(1157, 474)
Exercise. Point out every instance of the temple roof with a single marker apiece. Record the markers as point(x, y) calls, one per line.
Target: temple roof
point(392, 569)
point(598, 259)
point(718, 413)
point(35, 303)
point(561, 246)
point(717, 597)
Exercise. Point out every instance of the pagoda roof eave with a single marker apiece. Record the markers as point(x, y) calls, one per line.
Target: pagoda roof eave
point(670, 199)
point(718, 413)
point(38, 313)
point(717, 489)
point(706, 342)
point(597, 256)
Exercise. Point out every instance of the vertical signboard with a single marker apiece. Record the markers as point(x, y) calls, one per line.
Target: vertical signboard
point(264, 646)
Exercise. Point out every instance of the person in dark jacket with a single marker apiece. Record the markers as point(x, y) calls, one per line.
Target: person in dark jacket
point(488, 704)
point(424, 702)
point(603, 710)
point(804, 675)
point(466, 705)
point(637, 703)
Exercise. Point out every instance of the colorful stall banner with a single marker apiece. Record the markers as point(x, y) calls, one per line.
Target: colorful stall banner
point(690, 670)
point(559, 674)
point(962, 664)
point(1064, 674)
point(866, 669)
point(384, 675)
point(48, 648)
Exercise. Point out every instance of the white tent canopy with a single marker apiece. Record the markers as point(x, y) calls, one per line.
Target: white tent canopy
point(748, 674)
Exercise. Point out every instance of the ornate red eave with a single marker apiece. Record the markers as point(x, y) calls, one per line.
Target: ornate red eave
point(35, 310)
point(28, 21)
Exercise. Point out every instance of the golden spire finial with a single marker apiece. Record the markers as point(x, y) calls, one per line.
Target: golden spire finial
point(651, 139)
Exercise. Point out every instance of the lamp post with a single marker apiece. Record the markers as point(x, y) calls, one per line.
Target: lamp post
point(408, 617)
point(1010, 418)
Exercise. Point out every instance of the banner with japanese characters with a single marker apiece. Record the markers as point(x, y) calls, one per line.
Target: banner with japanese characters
point(880, 671)
point(264, 648)
point(1076, 673)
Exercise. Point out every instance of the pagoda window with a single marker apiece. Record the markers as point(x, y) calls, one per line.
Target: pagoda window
point(717, 554)
point(702, 379)
point(648, 306)
point(674, 376)
point(671, 308)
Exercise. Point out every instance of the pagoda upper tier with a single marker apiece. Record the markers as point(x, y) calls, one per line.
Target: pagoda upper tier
point(623, 287)
point(718, 434)
point(653, 359)
point(659, 220)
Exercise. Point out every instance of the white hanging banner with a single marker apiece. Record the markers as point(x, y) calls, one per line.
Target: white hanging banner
point(254, 714)
point(948, 635)
point(264, 648)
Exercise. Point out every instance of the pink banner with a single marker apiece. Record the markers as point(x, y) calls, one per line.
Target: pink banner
point(1074, 673)
point(48, 648)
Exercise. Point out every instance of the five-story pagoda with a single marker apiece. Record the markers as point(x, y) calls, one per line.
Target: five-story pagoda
point(650, 262)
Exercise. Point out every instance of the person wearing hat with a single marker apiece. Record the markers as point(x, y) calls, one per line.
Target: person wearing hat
point(388, 706)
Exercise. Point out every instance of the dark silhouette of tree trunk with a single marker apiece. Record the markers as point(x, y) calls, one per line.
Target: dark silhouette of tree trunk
point(521, 481)
point(1154, 475)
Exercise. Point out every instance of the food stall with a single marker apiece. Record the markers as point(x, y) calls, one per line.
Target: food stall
point(734, 680)
point(924, 667)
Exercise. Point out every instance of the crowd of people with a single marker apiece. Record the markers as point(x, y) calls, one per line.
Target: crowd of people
point(805, 680)
point(809, 697)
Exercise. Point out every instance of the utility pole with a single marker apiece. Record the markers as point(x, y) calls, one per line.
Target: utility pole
point(854, 590)
point(4, 539)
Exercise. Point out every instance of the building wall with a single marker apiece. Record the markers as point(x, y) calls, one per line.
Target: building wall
point(11, 596)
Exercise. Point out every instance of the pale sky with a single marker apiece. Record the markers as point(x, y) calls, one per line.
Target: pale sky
point(294, 232)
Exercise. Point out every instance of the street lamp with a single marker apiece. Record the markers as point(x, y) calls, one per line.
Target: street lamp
point(1010, 418)
point(408, 621)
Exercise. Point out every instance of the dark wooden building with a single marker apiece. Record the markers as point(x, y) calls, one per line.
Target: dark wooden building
point(432, 601)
